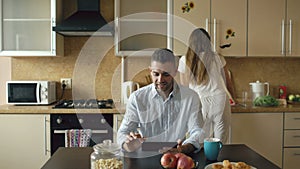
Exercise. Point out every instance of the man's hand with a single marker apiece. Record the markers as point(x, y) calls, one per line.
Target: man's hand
point(133, 142)
point(186, 148)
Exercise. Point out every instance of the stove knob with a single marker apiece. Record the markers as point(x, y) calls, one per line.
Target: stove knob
point(59, 120)
point(81, 121)
point(103, 121)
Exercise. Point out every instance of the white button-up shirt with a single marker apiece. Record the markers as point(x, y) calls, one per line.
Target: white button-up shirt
point(163, 120)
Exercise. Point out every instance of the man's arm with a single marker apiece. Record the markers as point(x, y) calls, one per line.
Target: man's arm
point(126, 134)
point(195, 122)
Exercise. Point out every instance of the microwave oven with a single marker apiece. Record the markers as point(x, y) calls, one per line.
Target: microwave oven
point(30, 92)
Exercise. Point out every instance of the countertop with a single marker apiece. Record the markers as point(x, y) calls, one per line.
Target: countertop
point(11, 109)
point(79, 158)
point(254, 109)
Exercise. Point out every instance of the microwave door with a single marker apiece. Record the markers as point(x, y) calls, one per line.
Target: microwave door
point(22, 93)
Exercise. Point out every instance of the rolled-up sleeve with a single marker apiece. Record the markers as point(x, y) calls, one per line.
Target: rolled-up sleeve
point(129, 122)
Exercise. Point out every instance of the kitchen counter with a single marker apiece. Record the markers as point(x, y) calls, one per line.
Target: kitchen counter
point(250, 108)
point(79, 158)
point(9, 109)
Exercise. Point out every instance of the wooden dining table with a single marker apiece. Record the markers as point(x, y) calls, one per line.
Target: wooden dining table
point(79, 158)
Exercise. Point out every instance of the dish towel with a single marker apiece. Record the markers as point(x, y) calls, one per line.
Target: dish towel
point(77, 137)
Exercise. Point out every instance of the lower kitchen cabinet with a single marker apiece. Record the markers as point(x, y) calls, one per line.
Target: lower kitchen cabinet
point(261, 131)
point(291, 151)
point(117, 122)
point(25, 141)
point(291, 158)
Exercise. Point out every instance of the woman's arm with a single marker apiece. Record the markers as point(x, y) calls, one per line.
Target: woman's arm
point(229, 83)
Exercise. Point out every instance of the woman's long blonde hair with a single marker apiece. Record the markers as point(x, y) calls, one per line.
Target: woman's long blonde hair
point(199, 56)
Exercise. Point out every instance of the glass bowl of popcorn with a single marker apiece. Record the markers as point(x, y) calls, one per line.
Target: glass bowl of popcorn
point(106, 155)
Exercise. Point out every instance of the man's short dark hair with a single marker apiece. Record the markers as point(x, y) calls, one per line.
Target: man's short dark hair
point(163, 55)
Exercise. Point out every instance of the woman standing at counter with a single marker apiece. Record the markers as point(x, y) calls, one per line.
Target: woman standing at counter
point(203, 71)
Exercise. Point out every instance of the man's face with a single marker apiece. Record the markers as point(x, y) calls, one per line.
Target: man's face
point(163, 76)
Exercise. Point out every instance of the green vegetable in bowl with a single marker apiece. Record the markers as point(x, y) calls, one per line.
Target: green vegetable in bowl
point(265, 101)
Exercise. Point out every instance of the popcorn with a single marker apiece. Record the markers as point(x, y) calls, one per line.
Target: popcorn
point(111, 163)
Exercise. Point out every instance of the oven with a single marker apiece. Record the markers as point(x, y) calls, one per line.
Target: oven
point(101, 126)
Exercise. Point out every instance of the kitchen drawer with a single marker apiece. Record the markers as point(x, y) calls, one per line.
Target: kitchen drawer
point(292, 121)
point(291, 158)
point(291, 138)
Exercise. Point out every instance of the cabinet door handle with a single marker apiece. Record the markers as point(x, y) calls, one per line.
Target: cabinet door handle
point(206, 24)
point(117, 122)
point(296, 154)
point(290, 34)
point(117, 36)
point(297, 136)
point(45, 135)
point(215, 33)
point(282, 37)
point(297, 118)
point(170, 22)
point(53, 36)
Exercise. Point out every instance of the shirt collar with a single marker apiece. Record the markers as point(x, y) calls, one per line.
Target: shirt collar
point(154, 92)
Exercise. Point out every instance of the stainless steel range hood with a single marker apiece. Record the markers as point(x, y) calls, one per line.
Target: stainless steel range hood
point(87, 21)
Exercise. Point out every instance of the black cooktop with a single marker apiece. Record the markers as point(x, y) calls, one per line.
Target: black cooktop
point(84, 104)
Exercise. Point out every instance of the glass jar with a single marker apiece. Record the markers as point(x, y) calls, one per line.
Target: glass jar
point(106, 155)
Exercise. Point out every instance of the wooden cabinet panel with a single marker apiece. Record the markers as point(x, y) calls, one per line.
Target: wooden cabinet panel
point(185, 22)
point(25, 141)
point(291, 153)
point(291, 138)
point(217, 17)
point(292, 121)
point(260, 131)
point(291, 158)
point(117, 122)
point(228, 19)
point(293, 28)
point(265, 27)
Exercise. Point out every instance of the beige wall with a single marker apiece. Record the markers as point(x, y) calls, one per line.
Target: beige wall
point(105, 81)
point(5, 75)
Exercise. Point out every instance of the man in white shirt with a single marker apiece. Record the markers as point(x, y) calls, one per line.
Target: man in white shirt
point(163, 110)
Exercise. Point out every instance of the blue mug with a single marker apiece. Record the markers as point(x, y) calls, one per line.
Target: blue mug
point(212, 147)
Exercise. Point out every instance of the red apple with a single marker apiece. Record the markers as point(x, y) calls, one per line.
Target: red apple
point(168, 160)
point(178, 155)
point(185, 162)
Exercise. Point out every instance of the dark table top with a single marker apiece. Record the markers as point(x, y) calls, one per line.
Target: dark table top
point(79, 158)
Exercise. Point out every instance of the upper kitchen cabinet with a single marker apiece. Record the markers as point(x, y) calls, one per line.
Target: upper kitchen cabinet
point(187, 16)
point(141, 26)
point(229, 27)
point(266, 28)
point(26, 28)
point(292, 28)
point(226, 22)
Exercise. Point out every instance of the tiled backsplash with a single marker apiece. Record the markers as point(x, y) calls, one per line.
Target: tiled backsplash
point(105, 81)
point(276, 71)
